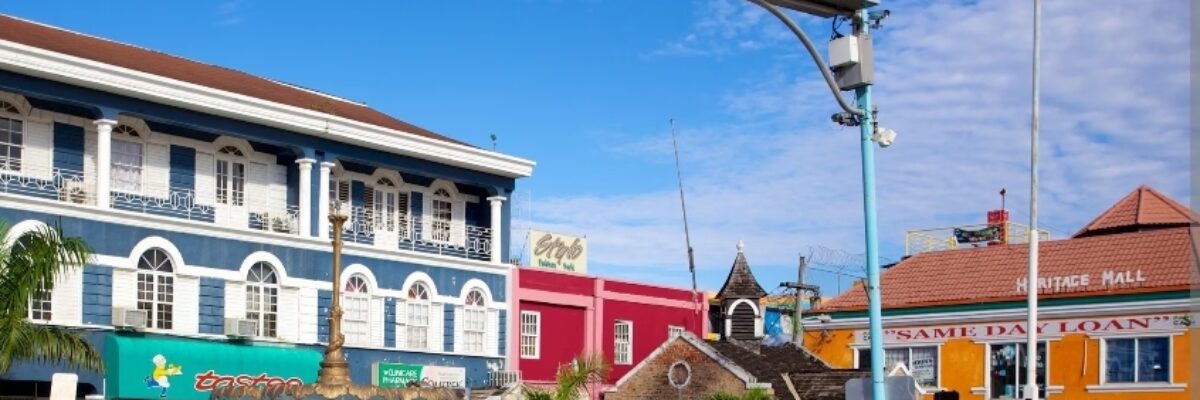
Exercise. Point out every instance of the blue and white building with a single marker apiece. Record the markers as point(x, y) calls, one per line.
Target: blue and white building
point(205, 192)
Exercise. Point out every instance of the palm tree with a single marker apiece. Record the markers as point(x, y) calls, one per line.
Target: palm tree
point(29, 265)
point(573, 379)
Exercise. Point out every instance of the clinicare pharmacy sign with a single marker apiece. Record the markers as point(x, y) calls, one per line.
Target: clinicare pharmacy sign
point(143, 367)
point(393, 375)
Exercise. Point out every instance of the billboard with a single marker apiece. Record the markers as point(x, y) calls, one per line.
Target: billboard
point(143, 367)
point(555, 251)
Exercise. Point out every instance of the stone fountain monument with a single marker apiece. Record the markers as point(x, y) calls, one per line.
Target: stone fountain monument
point(333, 379)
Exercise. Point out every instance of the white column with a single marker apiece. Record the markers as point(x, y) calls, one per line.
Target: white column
point(103, 161)
point(323, 201)
point(497, 228)
point(304, 195)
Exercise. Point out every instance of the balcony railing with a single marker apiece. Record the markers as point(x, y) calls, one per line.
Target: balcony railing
point(936, 239)
point(48, 183)
point(396, 230)
point(503, 378)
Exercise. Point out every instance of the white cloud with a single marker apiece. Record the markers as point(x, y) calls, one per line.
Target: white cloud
point(953, 78)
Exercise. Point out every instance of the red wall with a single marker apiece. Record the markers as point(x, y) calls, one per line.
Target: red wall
point(562, 339)
point(567, 300)
point(650, 324)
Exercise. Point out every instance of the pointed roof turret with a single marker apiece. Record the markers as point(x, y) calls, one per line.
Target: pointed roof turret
point(1144, 208)
point(741, 282)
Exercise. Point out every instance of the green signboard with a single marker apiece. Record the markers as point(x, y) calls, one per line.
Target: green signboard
point(139, 367)
point(391, 375)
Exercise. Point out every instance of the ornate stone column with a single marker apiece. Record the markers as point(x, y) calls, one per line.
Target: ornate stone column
point(104, 161)
point(497, 229)
point(304, 195)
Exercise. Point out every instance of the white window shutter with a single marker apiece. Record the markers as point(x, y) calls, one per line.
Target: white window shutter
point(156, 171)
point(67, 297)
point(491, 337)
point(287, 321)
point(377, 321)
point(124, 288)
point(91, 147)
point(458, 223)
point(37, 154)
point(277, 189)
point(427, 216)
point(308, 315)
point(459, 346)
point(401, 324)
point(206, 179)
point(257, 187)
point(187, 304)
point(437, 316)
point(235, 299)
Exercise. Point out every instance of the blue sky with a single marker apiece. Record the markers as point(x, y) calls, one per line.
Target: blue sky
point(585, 88)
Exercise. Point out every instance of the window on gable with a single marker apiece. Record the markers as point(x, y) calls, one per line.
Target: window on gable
point(356, 301)
point(156, 288)
point(262, 298)
point(417, 317)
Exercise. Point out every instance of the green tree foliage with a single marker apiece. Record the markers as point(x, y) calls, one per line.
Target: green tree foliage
point(29, 264)
point(573, 379)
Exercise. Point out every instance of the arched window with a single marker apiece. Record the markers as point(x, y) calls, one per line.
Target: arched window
point(40, 306)
point(128, 157)
point(356, 301)
point(442, 213)
point(262, 297)
point(417, 317)
point(156, 288)
point(388, 207)
point(12, 138)
point(474, 322)
point(231, 176)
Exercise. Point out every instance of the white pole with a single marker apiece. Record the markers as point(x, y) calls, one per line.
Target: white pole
point(1031, 354)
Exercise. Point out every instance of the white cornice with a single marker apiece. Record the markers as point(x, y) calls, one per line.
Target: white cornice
point(92, 74)
point(1088, 310)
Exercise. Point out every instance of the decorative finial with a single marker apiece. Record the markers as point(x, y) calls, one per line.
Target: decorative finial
point(741, 246)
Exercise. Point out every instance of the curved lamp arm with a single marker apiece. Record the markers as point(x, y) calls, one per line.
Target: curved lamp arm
point(812, 50)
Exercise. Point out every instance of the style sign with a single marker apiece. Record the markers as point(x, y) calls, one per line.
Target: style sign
point(159, 367)
point(1016, 329)
point(561, 252)
point(392, 375)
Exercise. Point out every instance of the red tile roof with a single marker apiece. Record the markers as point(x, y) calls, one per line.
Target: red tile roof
point(1144, 207)
point(1161, 257)
point(216, 77)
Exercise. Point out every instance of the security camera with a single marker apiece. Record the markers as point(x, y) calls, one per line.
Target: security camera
point(884, 136)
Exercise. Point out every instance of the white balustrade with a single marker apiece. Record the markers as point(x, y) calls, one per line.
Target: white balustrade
point(395, 230)
point(48, 183)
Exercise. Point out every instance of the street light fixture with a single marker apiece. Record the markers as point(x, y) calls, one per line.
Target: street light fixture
point(854, 72)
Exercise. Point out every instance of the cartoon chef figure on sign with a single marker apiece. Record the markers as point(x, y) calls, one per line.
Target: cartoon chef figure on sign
point(160, 378)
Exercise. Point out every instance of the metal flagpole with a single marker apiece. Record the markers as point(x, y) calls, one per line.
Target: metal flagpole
point(686, 235)
point(1031, 354)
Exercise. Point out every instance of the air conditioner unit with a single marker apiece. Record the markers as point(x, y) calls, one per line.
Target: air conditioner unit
point(240, 327)
point(125, 318)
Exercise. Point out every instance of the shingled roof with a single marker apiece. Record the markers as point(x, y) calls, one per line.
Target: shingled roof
point(165, 65)
point(1144, 208)
point(1144, 260)
point(740, 284)
point(811, 377)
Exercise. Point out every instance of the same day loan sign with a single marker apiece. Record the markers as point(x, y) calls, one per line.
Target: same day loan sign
point(1016, 329)
point(555, 251)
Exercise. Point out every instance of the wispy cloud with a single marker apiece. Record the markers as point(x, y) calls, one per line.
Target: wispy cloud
point(953, 79)
point(231, 12)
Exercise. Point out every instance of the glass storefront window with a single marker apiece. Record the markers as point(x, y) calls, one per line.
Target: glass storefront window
point(1007, 370)
point(922, 362)
point(1137, 360)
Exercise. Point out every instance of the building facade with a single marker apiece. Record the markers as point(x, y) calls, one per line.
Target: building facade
point(205, 194)
point(560, 316)
point(1114, 314)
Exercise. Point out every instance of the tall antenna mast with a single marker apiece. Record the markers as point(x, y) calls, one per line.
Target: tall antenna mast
point(683, 205)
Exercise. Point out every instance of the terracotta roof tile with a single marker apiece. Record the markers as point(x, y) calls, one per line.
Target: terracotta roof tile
point(216, 77)
point(1142, 208)
point(991, 274)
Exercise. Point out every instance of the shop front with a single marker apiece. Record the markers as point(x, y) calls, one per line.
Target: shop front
point(1114, 315)
point(146, 367)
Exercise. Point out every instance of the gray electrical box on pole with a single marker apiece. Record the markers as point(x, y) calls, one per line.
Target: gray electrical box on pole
point(855, 74)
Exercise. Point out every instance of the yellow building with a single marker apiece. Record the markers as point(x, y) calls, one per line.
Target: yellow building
point(1114, 316)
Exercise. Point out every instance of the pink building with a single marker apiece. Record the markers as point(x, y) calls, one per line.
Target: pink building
point(557, 316)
